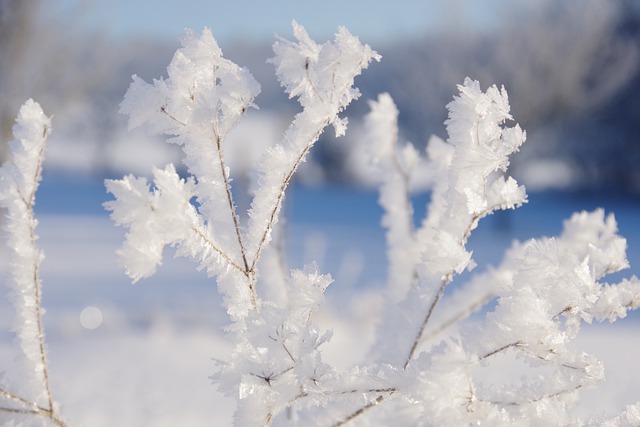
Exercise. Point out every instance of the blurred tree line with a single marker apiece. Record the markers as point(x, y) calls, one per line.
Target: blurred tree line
point(571, 69)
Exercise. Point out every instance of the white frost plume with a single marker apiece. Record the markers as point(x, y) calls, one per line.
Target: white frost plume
point(322, 78)
point(19, 179)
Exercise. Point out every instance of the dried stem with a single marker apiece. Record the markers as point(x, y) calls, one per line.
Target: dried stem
point(36, 276)
point(536, 400)
point(443, 285)
point(236, 223)
point(39, 411)
point(418, 339)
point(163, 109)
point(248, 272)
point(219, 251)
point(14, 397)
point(389, 390)
point(360, 411)
point(37, 306)
point(500, 350)
point(520, 346)
point(459, 316)
point(280, 197)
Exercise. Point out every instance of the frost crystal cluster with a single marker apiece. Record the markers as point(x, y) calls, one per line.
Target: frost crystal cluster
point(427, 364)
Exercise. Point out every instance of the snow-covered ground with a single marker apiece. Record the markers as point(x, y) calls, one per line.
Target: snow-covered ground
point(133, 355)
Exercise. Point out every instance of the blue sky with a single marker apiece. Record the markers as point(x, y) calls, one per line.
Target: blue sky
point(372, 21)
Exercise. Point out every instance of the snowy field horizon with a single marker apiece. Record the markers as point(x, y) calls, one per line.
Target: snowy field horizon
point(153, 343)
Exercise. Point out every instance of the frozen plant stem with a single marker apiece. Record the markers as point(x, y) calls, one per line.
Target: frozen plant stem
point(249, 272)
point(281, 193)
point(36, 268)
point(20, 177)
point(359, 412)
point(423, 326)
point(443, 285)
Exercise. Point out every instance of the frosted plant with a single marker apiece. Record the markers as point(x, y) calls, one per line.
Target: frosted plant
point(422, 369)
point(276, 361)
point(19, 179)
point(542, 291)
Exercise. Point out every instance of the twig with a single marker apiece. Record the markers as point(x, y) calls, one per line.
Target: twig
point(389, 390)
point(31, 313)
point(17, 398)
point(459, 316)
point(236, 223)
point(418, 339)
point(500, 350)
point(217, 249)
point(163, 109)
point(34, 409)
point(232, 210)
point(445, 282)
point(359, 412)
point(535, 400)
point(520, 346)
point(36, 276)
point(279, 199)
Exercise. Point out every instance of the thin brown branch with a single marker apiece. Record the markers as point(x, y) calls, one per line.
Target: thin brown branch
point(31, 408)
point(219, 251)
point(360, 411)
point(418, 339)
point(462, 314)
point(368, 406)
point(20, 411)
point(269, 378)
point(16, 398)
point(36, 277)
point(443, 285)
point(519, 345)
point(236, 222)
point(163, 109)
point(389, 390)
point(310, 80)
point(279, 199)
point(535, 400)
point(500, 350)
point(251, 278)
point(36, 315)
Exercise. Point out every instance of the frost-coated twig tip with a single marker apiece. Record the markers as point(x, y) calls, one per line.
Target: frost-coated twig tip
point(19, 179)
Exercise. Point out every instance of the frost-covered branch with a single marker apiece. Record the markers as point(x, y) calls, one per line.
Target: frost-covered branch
point(19, 179)
point(198, 104)
point(321, 77)
point(465, 189)
point(276, 362)
point(479, 145)
point(393, 166)
point(544, 288)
